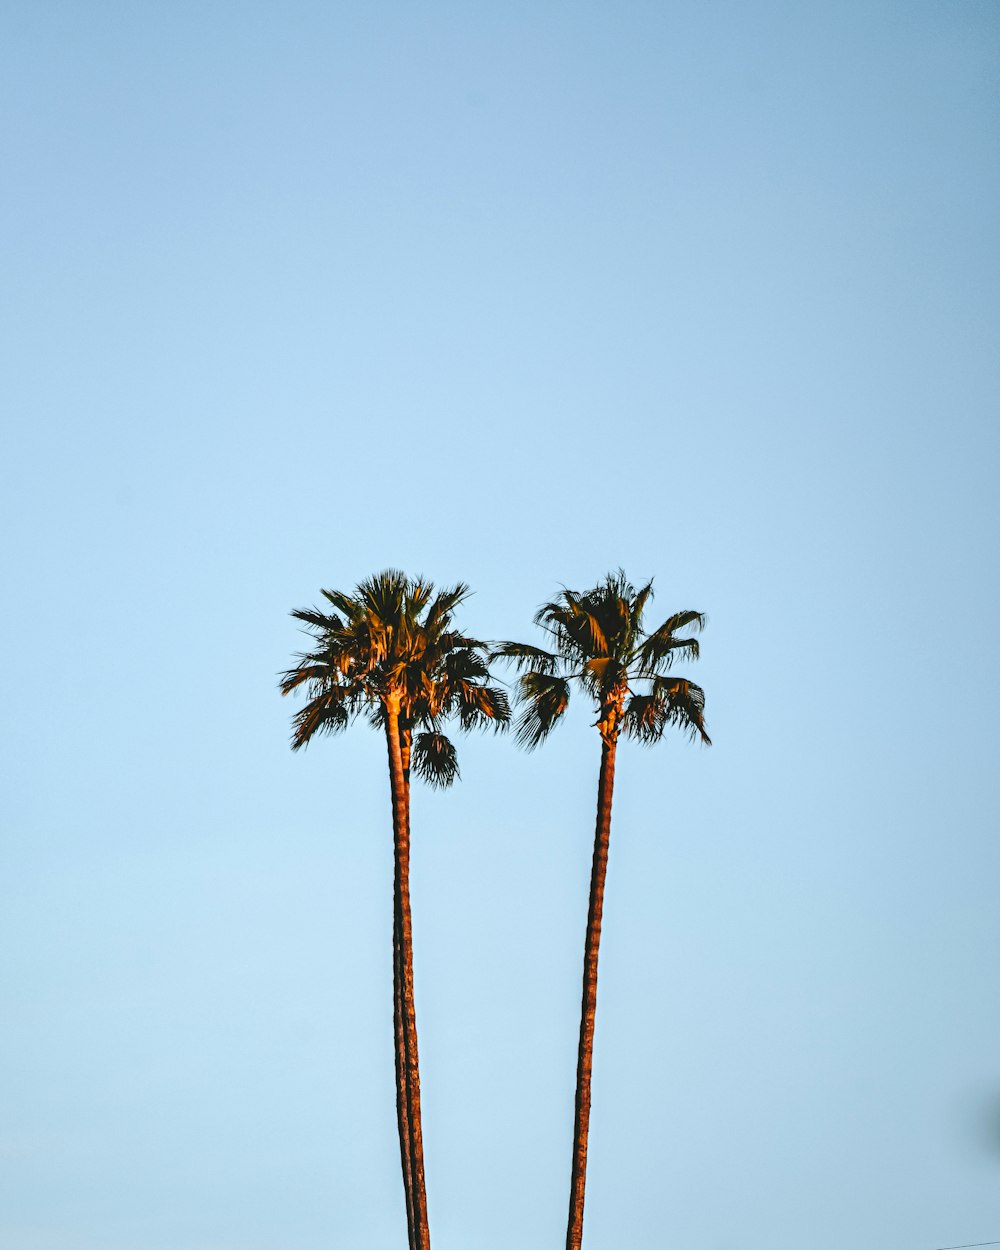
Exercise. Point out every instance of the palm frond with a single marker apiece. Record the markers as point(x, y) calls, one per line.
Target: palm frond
point(377, 716)
point(641, 598)
point(520, 655)
point(345, 605)
point(464, 664)
point(434, 759)
point(383, 598)
point(319, 622)
point(681, 620)
point(418, 592)
point(444, 604)
point(296, 677)
point(601, 673)
point(482, 706)
point(326, 714)
point(583, 623)
point(644, 718)
point(545, 698)
point(656, 655)
point(659, 649)
point(684, 705)
point(618, 608)
point(455, 640)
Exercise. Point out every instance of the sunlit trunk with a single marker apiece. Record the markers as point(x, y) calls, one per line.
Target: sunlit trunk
point(402, 1110)
point(405, 1022)
point(585, 1052)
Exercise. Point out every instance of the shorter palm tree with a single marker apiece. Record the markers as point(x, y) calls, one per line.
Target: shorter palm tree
point(390, 651)
point(599, 643)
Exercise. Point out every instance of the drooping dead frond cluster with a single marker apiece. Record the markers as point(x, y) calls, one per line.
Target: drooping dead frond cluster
point(598, 640)
point(393, 640)
point(434, 759)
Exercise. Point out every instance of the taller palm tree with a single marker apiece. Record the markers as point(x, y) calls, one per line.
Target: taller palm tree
point(390, 652)
point(599, 642)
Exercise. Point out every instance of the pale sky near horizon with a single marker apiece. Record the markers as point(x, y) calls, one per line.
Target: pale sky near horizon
point(512, 295)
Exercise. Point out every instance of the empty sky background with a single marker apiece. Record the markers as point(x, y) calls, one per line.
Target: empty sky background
point(513, 294)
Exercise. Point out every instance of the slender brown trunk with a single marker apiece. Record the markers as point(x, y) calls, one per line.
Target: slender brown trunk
point(402, 1107)
point(407, 1080)
point(585, 1053)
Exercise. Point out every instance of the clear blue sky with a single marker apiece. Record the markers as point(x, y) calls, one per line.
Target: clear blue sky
point(515, 295)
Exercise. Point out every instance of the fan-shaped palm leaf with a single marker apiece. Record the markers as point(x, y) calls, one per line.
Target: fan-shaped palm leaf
point(545, 698)
point(522, 656)
point(434, 759)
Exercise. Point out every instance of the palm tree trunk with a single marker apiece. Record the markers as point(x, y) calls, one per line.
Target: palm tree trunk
point(407, 1058)
point(402, 1109)
point(585, 1052)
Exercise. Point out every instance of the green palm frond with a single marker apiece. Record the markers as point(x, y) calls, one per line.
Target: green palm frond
point(680, 620)
point(444, 605)
point(602, 673)
point(590, 633)
point(321, 622)
point(545, 698)
point(659, 649)
point(656, 655)
point(641, 597)
point(307, 671)
point(434, 759)
point(466, 663)
point(344, 604)
point(645, 718)
point(382, 599)
point(449, 640)
point(417, 595)
point(577, 625)
point(609, 606)
point(327, 713)
point(618, 608)
point(685, 705)
point(482, 706)
point(684, 620)
point(520, 654)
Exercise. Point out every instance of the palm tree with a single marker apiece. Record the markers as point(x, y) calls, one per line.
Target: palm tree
point(599, 642)
point(390, 652)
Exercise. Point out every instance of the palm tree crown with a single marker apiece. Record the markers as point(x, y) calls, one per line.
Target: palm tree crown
point(599, 640)
point(392, 642)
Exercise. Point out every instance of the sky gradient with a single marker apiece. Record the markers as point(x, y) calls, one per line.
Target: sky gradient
point(511, 295)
